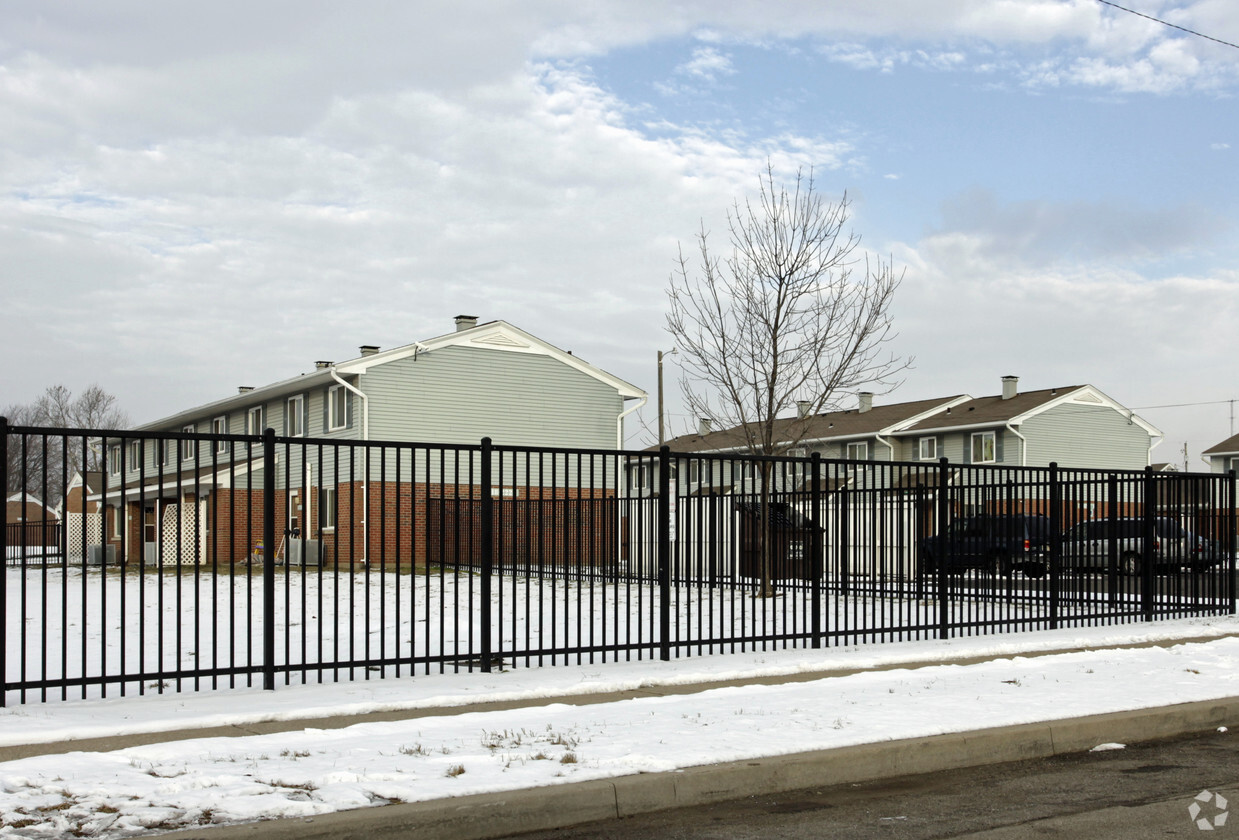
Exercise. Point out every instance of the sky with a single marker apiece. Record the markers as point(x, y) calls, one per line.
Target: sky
point(305, 772)
point(198, 197)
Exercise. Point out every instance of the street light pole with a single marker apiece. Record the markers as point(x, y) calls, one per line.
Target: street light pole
point(661, 430)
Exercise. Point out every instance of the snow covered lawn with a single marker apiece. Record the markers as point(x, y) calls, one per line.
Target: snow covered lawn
point(305, 772)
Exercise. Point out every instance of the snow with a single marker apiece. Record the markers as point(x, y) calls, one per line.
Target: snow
point(313, 771)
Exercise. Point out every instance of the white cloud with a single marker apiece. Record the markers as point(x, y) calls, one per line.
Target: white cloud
point(707, 64)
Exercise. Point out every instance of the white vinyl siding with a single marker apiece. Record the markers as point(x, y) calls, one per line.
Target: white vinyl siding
point(1080, 435)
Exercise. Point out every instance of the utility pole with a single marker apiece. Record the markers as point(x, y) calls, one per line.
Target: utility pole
point(661, 429)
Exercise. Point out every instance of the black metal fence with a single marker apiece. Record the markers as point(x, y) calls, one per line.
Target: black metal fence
point(194, 561)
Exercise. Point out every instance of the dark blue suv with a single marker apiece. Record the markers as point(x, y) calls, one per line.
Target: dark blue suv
point(995, 543)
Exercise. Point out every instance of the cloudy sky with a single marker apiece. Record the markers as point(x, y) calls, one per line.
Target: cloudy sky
point(199, 196)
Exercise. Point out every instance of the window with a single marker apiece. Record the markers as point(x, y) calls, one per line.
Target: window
point(114, 463)
point(295, 419)
point(135, 455)
point(187, 446)
point(254, 424)
point(115, 513)
point(929, 448)
point(327, 509)
point(858, 451)
point(164, 449)
point(694, 472)
point(219, 426)
point(337, 408)
point(983, 451)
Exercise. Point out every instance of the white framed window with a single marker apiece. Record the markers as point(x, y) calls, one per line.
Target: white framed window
point(135, 455)
point(117, 513)
point(858, 451)
point(694, 471)
point(983, 450)
point(219, 426)
point(337, 408)
point(187, 446)
point(164, 452)
point(929, 449)
point(254, 421)
point(295, 416)
point(114, 459)
point(327, 509)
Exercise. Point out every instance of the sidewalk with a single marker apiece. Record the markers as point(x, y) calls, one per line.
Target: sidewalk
point(648, 735)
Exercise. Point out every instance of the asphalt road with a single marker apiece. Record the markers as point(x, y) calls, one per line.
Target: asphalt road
point(1143, 791)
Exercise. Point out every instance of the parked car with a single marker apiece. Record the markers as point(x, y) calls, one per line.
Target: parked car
point(1094, 544)
point(997, 543)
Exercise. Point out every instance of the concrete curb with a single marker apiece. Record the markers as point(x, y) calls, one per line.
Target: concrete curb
point(495, 815)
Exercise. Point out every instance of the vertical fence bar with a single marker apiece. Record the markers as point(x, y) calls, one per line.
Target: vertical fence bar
point(1229, 543)
point(268, 559)
point(815, 547)
point(1148, 538)
point(487, 549)
point(943, 554)
point(664, 553)
point(1056, 544)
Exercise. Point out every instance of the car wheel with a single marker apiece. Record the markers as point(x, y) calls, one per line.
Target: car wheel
point(1129, 563)
point(1034, 570)
point(1000, 564)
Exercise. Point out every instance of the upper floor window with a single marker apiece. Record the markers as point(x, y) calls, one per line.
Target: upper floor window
point(928, 448)
point(219, 426)
point(254, 421)
point(337, 408)
point(135, 455)
point(114, 456)
point(187, 446)
point(295, 425)
point(983, 449)
point(858, 451)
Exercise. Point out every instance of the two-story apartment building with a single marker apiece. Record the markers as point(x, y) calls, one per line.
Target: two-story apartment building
point(194, 493)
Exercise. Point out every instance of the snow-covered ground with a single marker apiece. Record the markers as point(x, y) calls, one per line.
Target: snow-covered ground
point(313, 771)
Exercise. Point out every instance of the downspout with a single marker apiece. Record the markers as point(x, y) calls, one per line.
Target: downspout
point(365, 485)
point(619, 421)
point(1023, 445)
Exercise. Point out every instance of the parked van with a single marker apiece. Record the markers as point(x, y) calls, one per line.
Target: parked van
point(1088, 545)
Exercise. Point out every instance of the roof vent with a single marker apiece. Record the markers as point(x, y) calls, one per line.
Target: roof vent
point(466, 322)
point(322, 365)
point(244, 389)
point(368, 349)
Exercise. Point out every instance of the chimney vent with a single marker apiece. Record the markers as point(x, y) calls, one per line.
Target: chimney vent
point(703, 426)
point(244, 389)
point(866, 401)
point(369, 349)
point(322, 365)
point(1010, 387)
point(466, 322)
point(802, 409)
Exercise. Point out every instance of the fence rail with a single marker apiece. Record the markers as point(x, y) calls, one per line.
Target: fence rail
point(193, 561)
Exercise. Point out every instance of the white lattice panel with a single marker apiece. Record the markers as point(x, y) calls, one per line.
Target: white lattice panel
point(188, 525)
point(75, 524)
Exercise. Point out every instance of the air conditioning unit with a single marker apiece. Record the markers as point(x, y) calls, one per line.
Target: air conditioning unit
point(99, 555)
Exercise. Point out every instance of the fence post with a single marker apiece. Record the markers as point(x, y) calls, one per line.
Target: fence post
point(664, 553)
point(4, 572)
point(488, 546)
point(815, 545)
point(944, 512)
point(1230, 540)
point(1056, 527)
point(1149, 534)
point(268, 559)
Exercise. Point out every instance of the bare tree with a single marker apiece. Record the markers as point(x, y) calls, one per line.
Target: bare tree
point(790, 313)
point(41, 464)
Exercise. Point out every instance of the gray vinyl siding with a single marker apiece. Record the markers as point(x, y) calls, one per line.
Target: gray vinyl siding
point(1083, 436)
point(462, 394)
